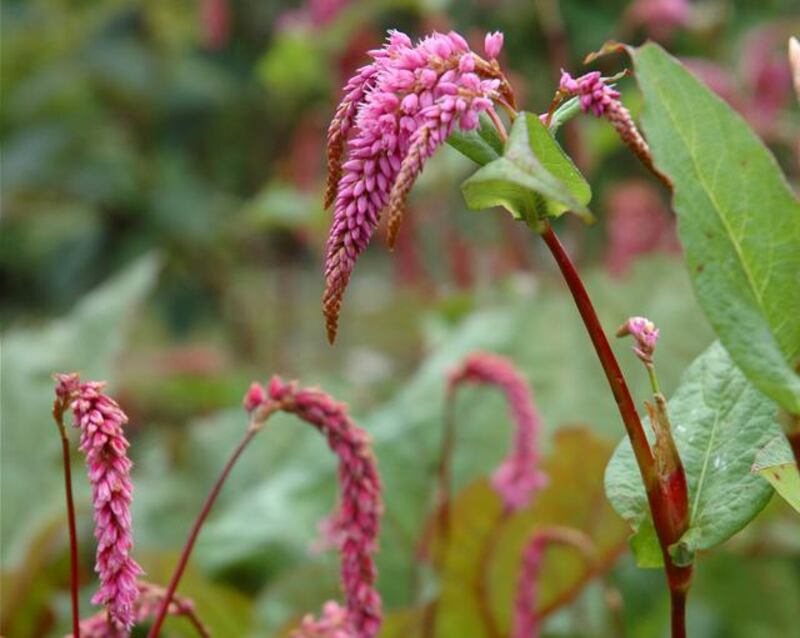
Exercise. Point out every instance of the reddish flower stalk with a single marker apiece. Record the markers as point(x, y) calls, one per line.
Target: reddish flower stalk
point(517, 478)
point(602, 100)
point(60, 405)
point(396, 112)
point(526, 619)
point(149, 599)
point(100, 420)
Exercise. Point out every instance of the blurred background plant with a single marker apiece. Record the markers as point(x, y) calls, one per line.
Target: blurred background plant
point(162, 227)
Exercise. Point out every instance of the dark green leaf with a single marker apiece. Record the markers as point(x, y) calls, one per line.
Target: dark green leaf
point(720, 421)
point(534, 178)
point(739, 221)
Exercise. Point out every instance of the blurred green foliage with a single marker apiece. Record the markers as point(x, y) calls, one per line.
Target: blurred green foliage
point(162, 229)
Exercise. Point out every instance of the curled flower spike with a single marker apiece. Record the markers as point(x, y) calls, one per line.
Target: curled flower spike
point(148, 601)
point(602, 100)
point(103, 441)
point(517, 477)
point(354, 526)
point(396, 112)
point(526, 619)
point(644, 333)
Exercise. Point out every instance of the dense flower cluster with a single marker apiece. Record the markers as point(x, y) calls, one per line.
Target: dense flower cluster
point(645, 335)
point(602, 100)
point(102, 440)
point(354, 526)
point(395, 112)
point(517, 477)
point(147, 603)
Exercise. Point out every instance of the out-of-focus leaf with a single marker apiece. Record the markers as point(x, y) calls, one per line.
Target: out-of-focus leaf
point(739, 221)
point(285, 482)
point(776, 463)
point(283, 206)
point(482, 560)
point(293, 67)
point(533, 179)
point(482, 145)
point(86, 340)
point(720, 422)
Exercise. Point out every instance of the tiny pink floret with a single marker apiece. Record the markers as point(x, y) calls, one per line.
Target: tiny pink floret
point(645, 335)
point(517, 478)
point(493, 44)
point(103, 441)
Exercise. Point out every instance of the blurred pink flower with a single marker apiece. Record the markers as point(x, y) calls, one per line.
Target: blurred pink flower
point(659, 18)
point(100, 420)
point(354, 526)
point(395, 113)
point(332, 624)
point(517, 478)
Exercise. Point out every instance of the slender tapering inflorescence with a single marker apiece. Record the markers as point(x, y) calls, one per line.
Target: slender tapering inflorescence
point(355, 524)
point(148, 600)
point(602, 100)
point(395, 113)
point(518, 477)
point(103, 441)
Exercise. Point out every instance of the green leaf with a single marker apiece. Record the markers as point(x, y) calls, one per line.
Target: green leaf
point(482, 145)
point(720, 421)
point(776, 463)
point(533, 179)
point(86, 340)
point(739, 221)
point(482, 561)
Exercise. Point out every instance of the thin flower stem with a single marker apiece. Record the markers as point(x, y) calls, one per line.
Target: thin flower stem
point(195, 531)
point(660, 497)
point(498, 124)
point(616, 380)
point(74, 581)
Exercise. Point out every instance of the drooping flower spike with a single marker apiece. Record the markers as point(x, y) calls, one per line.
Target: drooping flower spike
point(395, 113)
point(517, 478)
point(354, 526)
point(102, 440)
point(603, 101)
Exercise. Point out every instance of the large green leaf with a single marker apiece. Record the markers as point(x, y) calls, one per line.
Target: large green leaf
point(533, 179)
point(86, 340)
point(482, 561)
point(776, 463)
point(720, 422)
point(739, 221)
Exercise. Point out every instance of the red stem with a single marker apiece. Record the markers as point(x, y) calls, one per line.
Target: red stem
point(201, 517)
point(668, 503)
point(74, 580)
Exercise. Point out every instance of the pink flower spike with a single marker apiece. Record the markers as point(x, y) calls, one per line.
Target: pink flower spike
point(393, 118)
point(644, 333)
point(517, 478)
point(355, 524)
point(493, 44)
point(103, 441)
